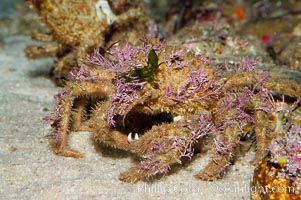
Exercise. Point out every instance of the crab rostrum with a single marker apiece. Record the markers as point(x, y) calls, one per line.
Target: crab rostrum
point(160, 102)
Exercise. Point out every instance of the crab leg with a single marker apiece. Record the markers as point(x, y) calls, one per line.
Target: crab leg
point(45, 50)
point(78, 114)
point(223, 147)
point(36, 35)
point(272, 83)
point(60, 126)
point(63, 114)
point(261, 130)
point(63, 66)
point(130, 15)
point(105, 134)
point(162, 145)
point(83, 90)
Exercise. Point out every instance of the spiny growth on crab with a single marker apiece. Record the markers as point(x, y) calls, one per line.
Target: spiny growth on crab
point(179, 103)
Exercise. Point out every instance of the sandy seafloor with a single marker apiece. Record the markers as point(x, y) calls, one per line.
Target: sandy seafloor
point(29, 170)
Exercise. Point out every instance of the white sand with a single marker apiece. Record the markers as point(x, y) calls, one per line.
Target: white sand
point(29, 170)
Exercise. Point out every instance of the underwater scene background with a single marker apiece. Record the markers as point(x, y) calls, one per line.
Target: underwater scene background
point(150, 99)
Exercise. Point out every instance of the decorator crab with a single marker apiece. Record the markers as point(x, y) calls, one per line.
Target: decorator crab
point(77, 27)
point(161, 102)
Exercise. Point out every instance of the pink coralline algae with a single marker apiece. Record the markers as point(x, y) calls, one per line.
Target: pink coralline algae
point(286, 151)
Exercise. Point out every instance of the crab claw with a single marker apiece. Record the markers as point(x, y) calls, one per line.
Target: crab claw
point(136, 136)
point(130, 137)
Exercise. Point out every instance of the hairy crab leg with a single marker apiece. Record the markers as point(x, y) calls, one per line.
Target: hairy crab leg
point(78, 114)
point(86, 89)
point(45, 50)
point(131, 14)
point(261, 130)
point(223, 147)
point(60, 126)
point(62, 115)
point(63, 66)
point(162, 146)
point(36, 35)
point(103, 133)
point(272, 83)
point(112, 138)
